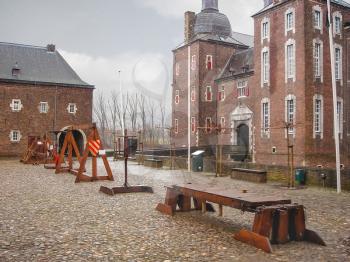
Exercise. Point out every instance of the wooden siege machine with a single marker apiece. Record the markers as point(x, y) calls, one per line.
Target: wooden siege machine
point(126, 188)
point(277, 220)
point(38, 151)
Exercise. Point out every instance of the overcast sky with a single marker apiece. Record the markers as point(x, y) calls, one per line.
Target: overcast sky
point(98, 37)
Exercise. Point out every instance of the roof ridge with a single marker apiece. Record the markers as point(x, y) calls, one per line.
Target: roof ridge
point(242, 33)
point(22, 45)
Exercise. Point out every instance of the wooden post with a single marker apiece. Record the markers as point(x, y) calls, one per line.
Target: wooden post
point(220, 210)
point(204, 207)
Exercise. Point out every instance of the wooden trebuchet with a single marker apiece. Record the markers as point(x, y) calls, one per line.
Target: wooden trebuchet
point(93, 147)
point(38, 151)
point(70, 143)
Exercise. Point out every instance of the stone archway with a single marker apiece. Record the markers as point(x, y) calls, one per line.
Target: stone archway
point(78, 135)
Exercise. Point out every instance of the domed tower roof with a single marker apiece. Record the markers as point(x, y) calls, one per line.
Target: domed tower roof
point(211, 21)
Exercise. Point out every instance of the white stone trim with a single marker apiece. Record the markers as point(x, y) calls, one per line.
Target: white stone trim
point(288, 11)
point(320, 42)
point(293, 75)
point(69, 108)
point(11, 136)
point(264, 132)
point(337, 46)
point(20, 105)
point(265, 81)
point(267, 37)
point(319, 9)
point(287, 98)
point(337, 14)
point(320, 132)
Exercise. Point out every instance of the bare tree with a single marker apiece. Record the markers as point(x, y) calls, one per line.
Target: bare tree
point(100, 112)
point(132, 109)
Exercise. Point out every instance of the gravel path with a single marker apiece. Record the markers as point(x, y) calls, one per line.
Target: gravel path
point(46, 217)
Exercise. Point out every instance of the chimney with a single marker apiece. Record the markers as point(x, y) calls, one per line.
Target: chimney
point(51, 48)
point(268, 2)
point(190, 18)
point(210, 4)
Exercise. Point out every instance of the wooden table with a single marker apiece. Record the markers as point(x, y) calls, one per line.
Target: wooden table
point(276, 220)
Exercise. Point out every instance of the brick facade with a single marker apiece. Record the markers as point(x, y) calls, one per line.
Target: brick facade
point(29, 120)
point(270, 148)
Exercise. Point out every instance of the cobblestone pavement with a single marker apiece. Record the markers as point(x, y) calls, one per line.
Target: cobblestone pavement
point(46, 217)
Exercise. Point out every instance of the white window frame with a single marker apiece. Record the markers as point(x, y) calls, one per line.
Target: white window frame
point(193, 124)
point(193, 94)
point(176, 124)
point(318, 70)
point(43, 107)
point(177, 69)
point(290, 72)
point(206, 94)
point(336, 32)
point(70, 107)
point(319, 25)
point(291, 131)
point(340, 116)
point(222, 94)
point(12, 136)
point(209, 58)
point(16, 105)
point(222, 124)
point(318, 116)
point(206, 125)
point(177, 97)
point(338, 64)
point(265, 34)
point(193, 63)
point(286, 22)
point(265, 131)
point(265, 67)
point(241, 88)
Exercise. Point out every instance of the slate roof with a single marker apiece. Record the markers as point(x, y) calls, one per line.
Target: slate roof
point(240, 64)
point(36, 65)
point(337, 2)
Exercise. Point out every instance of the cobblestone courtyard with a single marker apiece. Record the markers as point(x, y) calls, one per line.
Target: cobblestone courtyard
point(46, 217)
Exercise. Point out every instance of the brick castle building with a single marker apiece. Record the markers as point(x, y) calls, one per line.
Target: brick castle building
point(39, 92)
point(251, 86)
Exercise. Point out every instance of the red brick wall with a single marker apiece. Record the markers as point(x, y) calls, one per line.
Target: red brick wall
point(29, 121)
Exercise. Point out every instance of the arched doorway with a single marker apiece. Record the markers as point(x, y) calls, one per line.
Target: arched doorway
point(79, 136)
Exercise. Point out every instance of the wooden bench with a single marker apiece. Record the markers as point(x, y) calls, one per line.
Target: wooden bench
point(277, 220)
point(154, 163)
point(257, 176)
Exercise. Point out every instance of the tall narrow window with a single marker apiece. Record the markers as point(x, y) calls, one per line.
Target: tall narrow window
point(193, 62)
point(265, 66)
point(317, 19)
point(337, 24)
point(290, 61)
point(15, 136)
point(176, 127)
point(193, 94)
point(177, 69)
point(242, 89)
point(338, 58)
point(290, 114)
point(208, 124)
point(43, 107)
point(340, 116)
point(318, 116)
point(266, 120)
point(222, 124)
point(208, 94)
point(209, 62)
point(289, 20)
point(317, 60)
point(221, 94)
point(193, 125)
point(177, 97)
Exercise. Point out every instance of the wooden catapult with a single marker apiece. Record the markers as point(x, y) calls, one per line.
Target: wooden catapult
point(93, 148)
point(38, 151)
point(126, 188)
point(277, 220)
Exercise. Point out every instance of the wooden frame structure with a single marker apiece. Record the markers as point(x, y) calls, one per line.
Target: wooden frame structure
point(277, 220)
point(93, 147)
point(38, 151)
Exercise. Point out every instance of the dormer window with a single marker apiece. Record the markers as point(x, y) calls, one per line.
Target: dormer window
point(16, 70)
